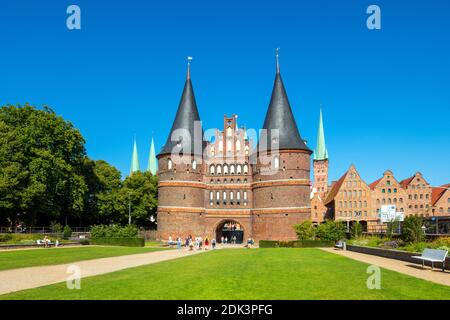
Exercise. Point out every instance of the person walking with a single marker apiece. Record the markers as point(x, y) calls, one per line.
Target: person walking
point(213, 243)
point(179, 243)
point(206, 243)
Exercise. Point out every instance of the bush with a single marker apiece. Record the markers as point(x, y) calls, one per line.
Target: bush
point(123, 242)
point(295, 244)
point(67, 232)
point(305, 230)
point(114, 231)
point(56, 227)
point(356, 230)
point(5, 237)
point(412, 230)
point(366, 241)
point(331, 231)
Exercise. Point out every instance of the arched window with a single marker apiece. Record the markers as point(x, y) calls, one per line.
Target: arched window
point(219, 169)
point(211, 195)
point(229, 146)
point(231, 196)
point(225, 169)
point(212, 169)
point(238, 146)
point(238, 195)
point(245, 195)
point(239, 169)
point(224, 197)
point(217, 196)
point(169, 164)
point(194, 165)
point(220, 146)
point(245, 180)
point(229, 132)
point(245, 168)
point(276, 162)
point(246, 150)
point(232, 169)
point(213, 151)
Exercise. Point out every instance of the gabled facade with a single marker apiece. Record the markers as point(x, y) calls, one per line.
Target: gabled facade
point(418, 191)
point(350, 200)
point(388, 191)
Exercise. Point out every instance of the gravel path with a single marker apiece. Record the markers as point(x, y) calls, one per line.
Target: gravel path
point(33, 277)
point(410, 269)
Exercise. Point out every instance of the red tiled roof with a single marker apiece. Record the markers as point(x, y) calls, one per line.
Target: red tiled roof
point(406, 182)
point(437, 193)
point(374, 184)
point(334, 191)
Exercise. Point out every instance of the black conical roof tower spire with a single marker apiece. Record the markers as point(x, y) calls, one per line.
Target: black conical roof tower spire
point(187, 115)
point(279, 116)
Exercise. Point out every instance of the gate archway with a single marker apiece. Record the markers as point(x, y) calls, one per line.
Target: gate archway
point(231, 230)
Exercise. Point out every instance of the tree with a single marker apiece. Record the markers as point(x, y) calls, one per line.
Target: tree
point(41, 157)
point(356, 229)
point(140, 192)
point(305, 230)
point(412, 229)
point(331, 231)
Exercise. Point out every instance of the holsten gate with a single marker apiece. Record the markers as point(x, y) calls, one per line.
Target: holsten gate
point(226, 186)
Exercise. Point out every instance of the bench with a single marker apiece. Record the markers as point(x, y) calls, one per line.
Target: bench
point(433, 255)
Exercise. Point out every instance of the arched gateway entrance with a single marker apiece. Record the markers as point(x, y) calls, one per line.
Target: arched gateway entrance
point(230, 229)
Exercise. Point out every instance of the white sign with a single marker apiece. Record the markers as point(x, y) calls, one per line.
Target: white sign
point(389, 213)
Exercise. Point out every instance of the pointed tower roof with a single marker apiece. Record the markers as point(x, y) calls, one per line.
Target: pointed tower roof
point(187, 114)
point(321, 152)
point(279, 116)
point(152, 162)
point(134, 159)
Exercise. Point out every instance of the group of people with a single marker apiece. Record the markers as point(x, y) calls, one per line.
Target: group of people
point(199, 243)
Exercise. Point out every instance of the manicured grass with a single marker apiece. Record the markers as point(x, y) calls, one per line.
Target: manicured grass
point(50, 256)
point(245, 274)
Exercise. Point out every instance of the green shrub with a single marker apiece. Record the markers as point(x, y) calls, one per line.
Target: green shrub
point(305, 230)
point(366, 241)
point(331, 231)
point(412, 229)
point(356, 230)
point(295, 244)
point(67, 232)
point(5, 237)
point(123, 242)
point(114, 231)
point(56, 227)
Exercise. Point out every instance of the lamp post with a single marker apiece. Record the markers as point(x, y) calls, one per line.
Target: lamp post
point(129, 208)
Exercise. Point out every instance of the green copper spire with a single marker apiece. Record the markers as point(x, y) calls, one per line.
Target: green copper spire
point(134, 159)
point(321, 152)
point(152, 165)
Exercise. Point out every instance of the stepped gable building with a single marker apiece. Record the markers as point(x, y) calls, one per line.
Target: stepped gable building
point(350, 200)
point(226, 187)
point(388, 191)
point(418, 192)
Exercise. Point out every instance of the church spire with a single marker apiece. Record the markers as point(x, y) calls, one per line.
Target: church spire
point(134, 159)
point(279, 117)
point(321, 152)
point(183, 129)
point(152, 162)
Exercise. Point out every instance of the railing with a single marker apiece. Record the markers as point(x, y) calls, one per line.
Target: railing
point(40, 230)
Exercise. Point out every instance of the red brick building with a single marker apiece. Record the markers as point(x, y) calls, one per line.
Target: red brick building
point(226, 187)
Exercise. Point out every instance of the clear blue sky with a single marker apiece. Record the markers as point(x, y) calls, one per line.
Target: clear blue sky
point(386, 94)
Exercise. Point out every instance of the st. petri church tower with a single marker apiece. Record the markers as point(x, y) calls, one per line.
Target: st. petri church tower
point(227, 187)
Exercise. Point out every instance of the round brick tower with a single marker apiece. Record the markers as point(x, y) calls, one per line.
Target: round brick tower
point(180, 172)
point(281, 175)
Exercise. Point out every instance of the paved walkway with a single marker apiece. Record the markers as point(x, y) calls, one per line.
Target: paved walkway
point(33, 277)
point(408, 268)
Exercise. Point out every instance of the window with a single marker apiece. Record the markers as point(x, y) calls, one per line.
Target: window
point(389, 190)
point(276, 162)
point(231, 196)
point(388, 182)
point(212, 169)
point(225, 169)
point(229, 146)
point(383, 191)
point(169, 164)
point(213, 151)
point(220, 146)
point(245, 168)
point(217, 197)
point(395, 190)
point(246, 150)
point(245, 195)
point(211, 195)
point(224, 197)
point(229, 132)
point(239, 169)
point(194, 165)
point(219, 169)
point(232, 169)
point(238, 146)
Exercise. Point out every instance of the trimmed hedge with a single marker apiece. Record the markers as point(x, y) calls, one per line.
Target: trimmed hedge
point(122, 242)
point(295, 244)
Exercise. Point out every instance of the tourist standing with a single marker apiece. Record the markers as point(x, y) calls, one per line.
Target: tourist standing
point(170, 241)
point(221, 240)
point(178, 243)
point(213, 243)
point(226, 240)
point(206, 243)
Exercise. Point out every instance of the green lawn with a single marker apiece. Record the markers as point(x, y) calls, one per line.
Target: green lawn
point(245, 274)
point(41, 257)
